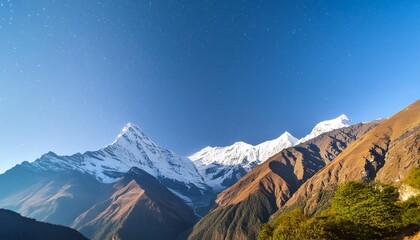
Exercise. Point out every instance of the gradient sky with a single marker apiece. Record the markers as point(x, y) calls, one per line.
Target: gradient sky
point(195, 73)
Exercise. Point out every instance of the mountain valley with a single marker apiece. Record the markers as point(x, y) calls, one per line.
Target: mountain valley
point(133, 188)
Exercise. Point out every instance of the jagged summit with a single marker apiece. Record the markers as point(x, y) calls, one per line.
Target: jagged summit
point(130, 133)
point(327, 126)
point(286, 136)
point(269, 148)
point(221, 166)
point(241, 150)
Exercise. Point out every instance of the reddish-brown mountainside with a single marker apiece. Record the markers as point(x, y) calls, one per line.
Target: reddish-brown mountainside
point(249, 202)
point(387, 153)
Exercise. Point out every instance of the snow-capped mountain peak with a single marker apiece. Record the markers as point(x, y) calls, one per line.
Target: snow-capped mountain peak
point(131, 148)
point(327, 126)
point(220, 165)
point(285, 137)
point(129, 127)
point(131, 133)
point(242, 152)
point(271, 147)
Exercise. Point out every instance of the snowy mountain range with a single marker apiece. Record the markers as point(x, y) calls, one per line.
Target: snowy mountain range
point(210, 170)
point(223, 166)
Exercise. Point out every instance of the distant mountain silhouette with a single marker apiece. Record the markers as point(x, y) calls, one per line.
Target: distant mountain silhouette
point(15, 227)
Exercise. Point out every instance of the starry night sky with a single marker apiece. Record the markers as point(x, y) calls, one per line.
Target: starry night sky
point(195, 73)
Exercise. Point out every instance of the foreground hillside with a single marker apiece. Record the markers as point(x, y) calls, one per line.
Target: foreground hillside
point(13, 226)
point(358, 210)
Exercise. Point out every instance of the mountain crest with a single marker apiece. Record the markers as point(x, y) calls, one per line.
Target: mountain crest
point(221, 166)
point(131, 133)
point(327, 126)
point(286, 136)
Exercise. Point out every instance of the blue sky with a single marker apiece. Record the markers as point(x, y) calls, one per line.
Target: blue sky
point(197, 73)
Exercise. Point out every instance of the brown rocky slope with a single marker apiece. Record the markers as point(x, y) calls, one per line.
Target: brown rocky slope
point(244, 206)
point(139, 208)
point(387, 154)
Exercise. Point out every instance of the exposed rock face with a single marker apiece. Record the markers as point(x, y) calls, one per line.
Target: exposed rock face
point(242, 208)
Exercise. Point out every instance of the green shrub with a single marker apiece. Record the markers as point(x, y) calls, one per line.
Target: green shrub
point(358, 211)
point(366, 210)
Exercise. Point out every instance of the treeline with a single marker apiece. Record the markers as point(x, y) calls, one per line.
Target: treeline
point(358, 210)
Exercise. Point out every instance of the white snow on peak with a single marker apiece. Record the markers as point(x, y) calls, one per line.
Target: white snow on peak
point(131, 148)
point(132, 134)
point(217, 167)
point(216, 164)
point(327, 126)
point(243, 153)
point(270, 148)
point(129, 126)
point(220, 166)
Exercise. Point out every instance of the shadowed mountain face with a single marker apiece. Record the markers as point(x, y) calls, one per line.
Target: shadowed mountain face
point(49, 196)
point(387, 154)
point(242, 208)
point(13, 226)
point(140, 207)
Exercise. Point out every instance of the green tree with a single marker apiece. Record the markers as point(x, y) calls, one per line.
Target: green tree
point(359, 211)
point(366, 211)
